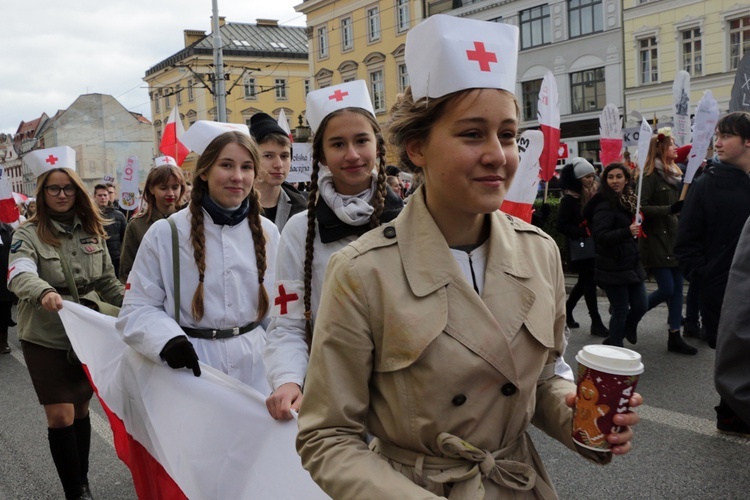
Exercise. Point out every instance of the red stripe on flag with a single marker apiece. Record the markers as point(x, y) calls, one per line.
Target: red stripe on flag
point(548, 159)
point(170, 146)
point(521, 210)
point(149, 477)
point(9, 210)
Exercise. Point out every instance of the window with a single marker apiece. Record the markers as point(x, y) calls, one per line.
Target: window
point(403, 78)
point(167, 104)
point(739, 40)
point(402, 15)
point(373, 24)
point(535, 27)
point(280, 86)
point(649, 60)
point(530, 91)
point(155, 96)
point(250, 90)
point(347, 36)
point(585, 17)
point(378, 91)
point(322, 42)
point(588, 90)
point(307, 87)
point(191, 96)
point(692, 60)
point(177, 95)
point(589, 150)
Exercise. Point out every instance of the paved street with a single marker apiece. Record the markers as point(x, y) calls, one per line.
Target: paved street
point(677, 453)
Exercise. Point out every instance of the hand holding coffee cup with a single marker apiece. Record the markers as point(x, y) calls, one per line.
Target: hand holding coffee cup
point(607, 377)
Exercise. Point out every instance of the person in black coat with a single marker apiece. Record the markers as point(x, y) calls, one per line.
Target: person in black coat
point(578, 183)
point(715, 211)
point(618, 269)
point(6, 296)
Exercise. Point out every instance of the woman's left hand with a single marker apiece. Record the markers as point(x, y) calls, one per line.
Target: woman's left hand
point(621, 442)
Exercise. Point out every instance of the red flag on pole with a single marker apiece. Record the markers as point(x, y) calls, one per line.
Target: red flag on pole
point(170, 142)
point(548, 110)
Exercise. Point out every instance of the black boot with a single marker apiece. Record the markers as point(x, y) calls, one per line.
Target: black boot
point(678, 345)
point(572, 323)
point(64, 449)
point(597, 326)
point(4, 348)
point(631, 334)
point(691, 329)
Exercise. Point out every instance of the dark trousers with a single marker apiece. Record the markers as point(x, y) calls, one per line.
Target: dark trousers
point(586, 288)
point(628, 307)
point(669, 280)
point(711, 299)
point(693, 304)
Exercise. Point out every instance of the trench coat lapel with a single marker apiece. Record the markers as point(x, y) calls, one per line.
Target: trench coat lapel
point(485, 325)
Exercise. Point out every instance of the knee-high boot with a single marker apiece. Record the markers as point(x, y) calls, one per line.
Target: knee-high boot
point(83, 439)
point(597, 326)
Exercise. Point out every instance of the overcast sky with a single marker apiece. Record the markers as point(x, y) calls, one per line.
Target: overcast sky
point(53, 51)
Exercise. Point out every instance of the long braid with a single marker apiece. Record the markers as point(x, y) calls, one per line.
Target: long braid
point(309, 247)
point(198, 240)
point(378, 199)
point(259, 239)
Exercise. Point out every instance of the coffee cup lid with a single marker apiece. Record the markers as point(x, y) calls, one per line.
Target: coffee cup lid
point(610, 359)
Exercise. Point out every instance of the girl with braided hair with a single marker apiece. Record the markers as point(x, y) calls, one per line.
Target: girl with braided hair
point(349, 196)
point(212, 303)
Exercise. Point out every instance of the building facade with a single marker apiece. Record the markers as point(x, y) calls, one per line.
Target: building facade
point(361, 40)
point(706, 38)
point(266, 70)
point(103, 134)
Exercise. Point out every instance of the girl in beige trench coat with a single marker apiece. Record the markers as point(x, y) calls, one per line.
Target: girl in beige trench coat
point(437, 333)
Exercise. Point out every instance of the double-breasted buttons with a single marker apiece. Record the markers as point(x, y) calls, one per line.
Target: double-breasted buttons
point(389, 232)
point(508, 389)
point(459, 400)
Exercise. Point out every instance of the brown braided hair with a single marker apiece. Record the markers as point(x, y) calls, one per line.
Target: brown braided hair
point(197, 234)
point(377, 201)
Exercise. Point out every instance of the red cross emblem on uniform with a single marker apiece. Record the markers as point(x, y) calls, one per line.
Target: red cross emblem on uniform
point(283, 299)
point(52, 159)
point(338, 95)
point(480, 55)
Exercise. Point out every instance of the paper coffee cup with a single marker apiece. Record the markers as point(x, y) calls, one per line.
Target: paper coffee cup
point(607, 377)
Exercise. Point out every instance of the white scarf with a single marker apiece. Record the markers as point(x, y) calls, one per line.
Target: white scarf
point(355, 209)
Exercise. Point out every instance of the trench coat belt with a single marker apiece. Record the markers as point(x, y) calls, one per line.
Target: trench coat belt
point(83, 290)
point(467, 466)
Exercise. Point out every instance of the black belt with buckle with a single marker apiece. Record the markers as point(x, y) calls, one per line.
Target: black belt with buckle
point(228, 333)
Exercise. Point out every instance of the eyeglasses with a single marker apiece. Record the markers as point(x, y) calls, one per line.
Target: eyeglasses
point(54, 190)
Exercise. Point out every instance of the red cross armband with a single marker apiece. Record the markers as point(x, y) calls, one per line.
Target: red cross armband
point(288, 299)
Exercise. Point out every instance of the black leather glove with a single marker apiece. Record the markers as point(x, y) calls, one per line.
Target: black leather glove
point(676, 207)
point(180, 353)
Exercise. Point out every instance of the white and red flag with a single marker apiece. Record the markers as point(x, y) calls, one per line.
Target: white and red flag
point(706, 117)
point(170, 141)
point(183, 436)
point(644, 140)
point(8, 205)
point(610, 132)
point(284, 124)
point(548, 111)
point(519, 200)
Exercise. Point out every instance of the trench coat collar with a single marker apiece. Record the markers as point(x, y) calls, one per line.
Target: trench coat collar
point(417, 230)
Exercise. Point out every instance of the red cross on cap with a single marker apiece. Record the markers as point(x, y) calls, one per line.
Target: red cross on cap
point(338, 95)
point(283, 299)
point(480, 55)
point(52, 159)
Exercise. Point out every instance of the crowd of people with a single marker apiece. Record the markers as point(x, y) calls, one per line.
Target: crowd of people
point(372, 308)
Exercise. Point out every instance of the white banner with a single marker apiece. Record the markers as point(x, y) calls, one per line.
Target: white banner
point(212, 434)
point(129, 184)
point(301, 162)
point(706, 117)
